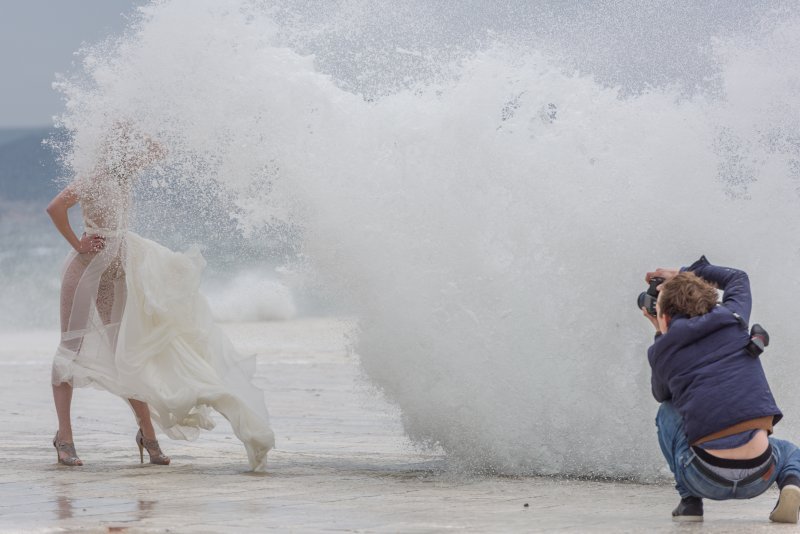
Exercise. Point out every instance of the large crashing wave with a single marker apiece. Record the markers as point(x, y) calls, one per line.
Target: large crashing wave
point(489, 220)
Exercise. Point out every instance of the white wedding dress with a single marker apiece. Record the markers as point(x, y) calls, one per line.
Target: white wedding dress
point(135, 324)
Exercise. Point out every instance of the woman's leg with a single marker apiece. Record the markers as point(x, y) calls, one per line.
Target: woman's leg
point(142, 412)
point(62, 392)
point(110, 301)
point(146, 439)
point(62, 395)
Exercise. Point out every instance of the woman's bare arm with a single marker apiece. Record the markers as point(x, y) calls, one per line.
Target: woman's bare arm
point(58, 210)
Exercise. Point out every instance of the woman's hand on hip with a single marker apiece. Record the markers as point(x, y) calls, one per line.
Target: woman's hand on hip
point(91, 243)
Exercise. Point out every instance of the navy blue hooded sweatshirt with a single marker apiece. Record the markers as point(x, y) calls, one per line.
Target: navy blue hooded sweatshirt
point(700, 364)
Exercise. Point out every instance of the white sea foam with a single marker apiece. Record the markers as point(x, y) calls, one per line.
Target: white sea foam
point(250, 297)
point(490, 226)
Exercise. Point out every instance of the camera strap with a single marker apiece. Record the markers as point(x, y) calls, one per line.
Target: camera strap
point(759, 338)
point(741, 320)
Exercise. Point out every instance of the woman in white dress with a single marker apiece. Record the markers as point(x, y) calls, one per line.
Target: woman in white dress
point(134, 323)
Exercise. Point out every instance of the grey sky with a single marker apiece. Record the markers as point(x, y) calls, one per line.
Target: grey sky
point(37, 39)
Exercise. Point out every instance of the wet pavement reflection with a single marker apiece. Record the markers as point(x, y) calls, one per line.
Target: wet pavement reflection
point(123, 511)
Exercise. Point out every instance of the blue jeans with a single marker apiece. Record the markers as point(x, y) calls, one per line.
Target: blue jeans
point(691, 482)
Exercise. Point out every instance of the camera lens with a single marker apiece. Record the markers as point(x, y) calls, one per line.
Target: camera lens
point(648, 299)
point(648, 302)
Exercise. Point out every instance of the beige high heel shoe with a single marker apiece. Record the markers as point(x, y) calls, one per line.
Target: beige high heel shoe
point(156, 456)
point(68, 448)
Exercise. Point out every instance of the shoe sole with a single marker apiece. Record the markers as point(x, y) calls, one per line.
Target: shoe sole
point(687, 518)
point(788, 508)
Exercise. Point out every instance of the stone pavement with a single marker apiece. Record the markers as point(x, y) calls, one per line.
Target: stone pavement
point(341, 463)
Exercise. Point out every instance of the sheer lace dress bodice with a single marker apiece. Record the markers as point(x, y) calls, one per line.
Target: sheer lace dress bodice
point(93, 284)
point(105, 203)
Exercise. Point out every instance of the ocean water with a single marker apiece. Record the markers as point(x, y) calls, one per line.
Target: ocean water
point(28, 248)
point(482, 185)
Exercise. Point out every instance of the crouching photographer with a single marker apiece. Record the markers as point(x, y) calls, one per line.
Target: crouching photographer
point(717, 411)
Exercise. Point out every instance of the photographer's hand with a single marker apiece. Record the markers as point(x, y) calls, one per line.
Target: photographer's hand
point(666, 274)
point(650, 318)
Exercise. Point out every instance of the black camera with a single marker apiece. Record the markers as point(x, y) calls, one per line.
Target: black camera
point(647, 299)
point(759, 337)
point(759, 340)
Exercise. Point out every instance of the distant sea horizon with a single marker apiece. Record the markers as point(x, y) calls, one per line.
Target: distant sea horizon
point(28, 168)
point(8, 133)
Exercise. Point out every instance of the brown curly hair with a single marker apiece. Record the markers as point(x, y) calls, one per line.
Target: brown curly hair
point(687, 294)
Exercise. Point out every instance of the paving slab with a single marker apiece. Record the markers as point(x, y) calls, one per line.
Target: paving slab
point(342, 462)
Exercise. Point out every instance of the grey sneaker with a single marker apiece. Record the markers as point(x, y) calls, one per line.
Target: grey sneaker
point(787, 509)
point(689, 509)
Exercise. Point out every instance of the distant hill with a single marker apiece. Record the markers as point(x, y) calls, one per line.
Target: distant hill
point(27, 168)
